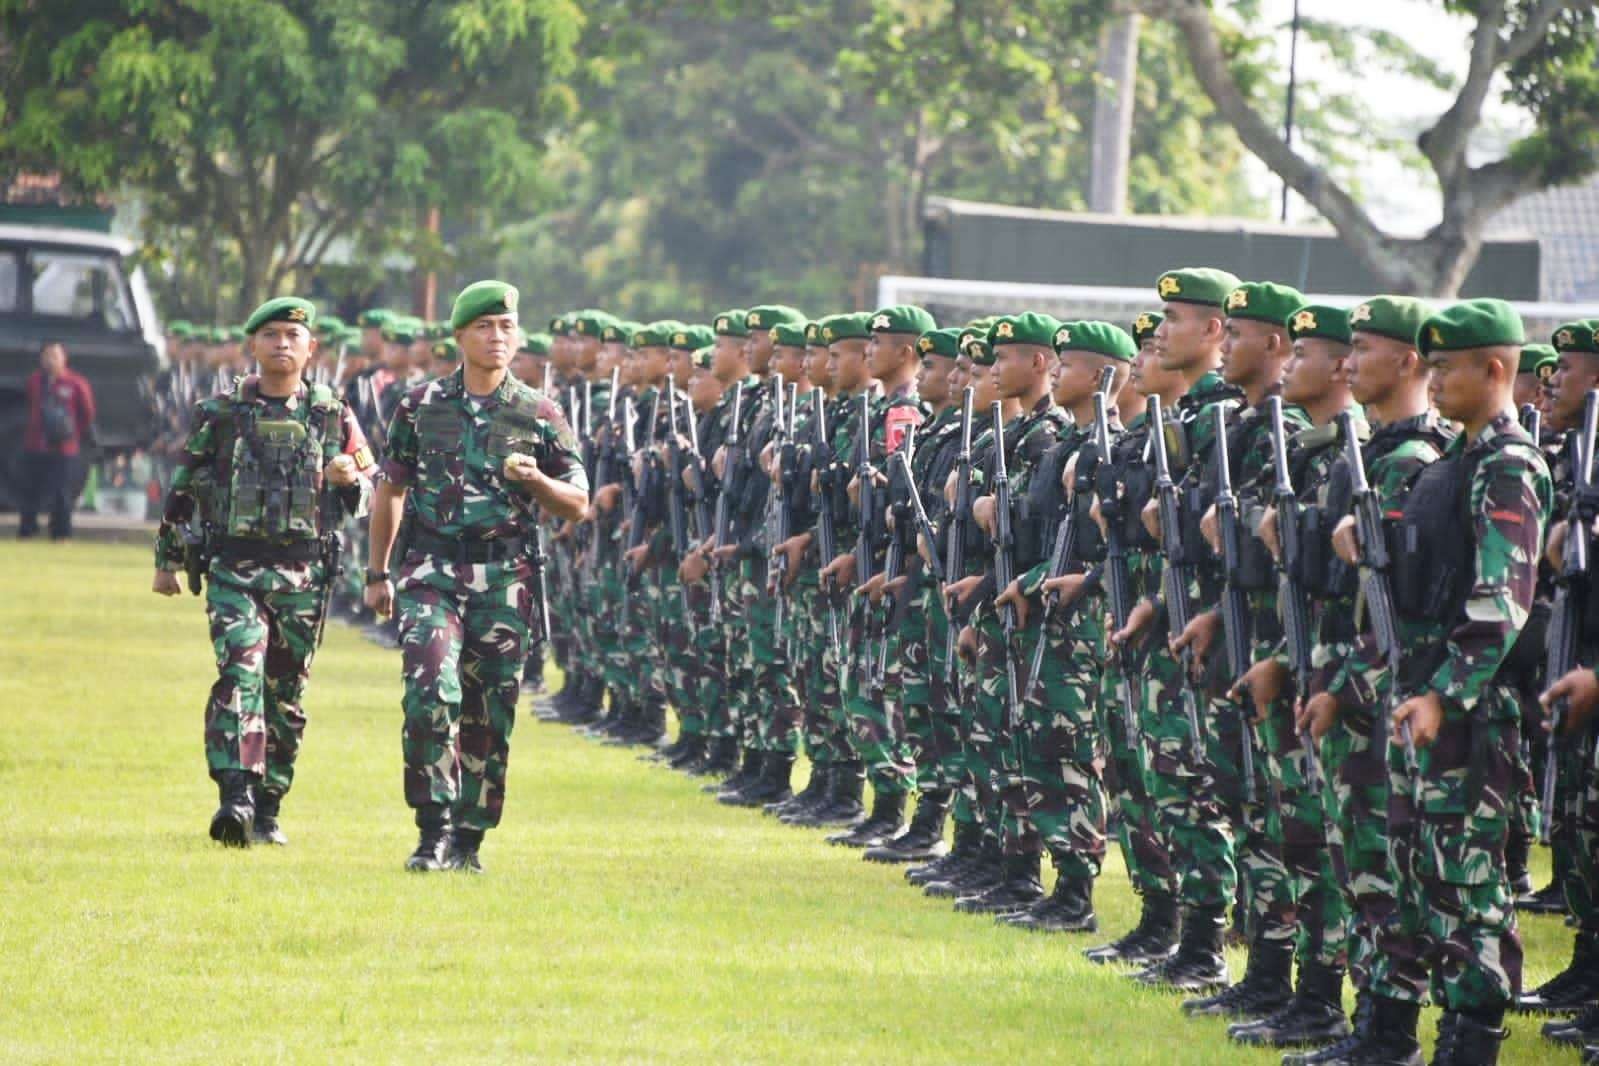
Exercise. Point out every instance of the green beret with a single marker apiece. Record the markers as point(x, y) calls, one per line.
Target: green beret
point(848, 327)
point(768, 315)
point(656, 334)
point(702, 358)
point(350, 337)
point(788, 335)
point(483, 298)
point(561, 324)
point(1471, 324)
point(1097, 338)
point(1145, 325)
point(282, 309)
point(399, 331)
point(236, 334)
point(221, 335)
point(592, 323)
point(374, 318)
point(1319, 320)
point(977, 349)
point(180, 328)
point(692, 338)
point(813, 334)
point(619, 332)
point(447, 350)
point(1537, 359)
point(731, 323)
point(1580, 336)
point(537, 343)
point(902, 318)
point(1264, 301)
point(328, 325)
point(1196, 285)
point(1030, 327)
point(945, 342)
point(435, 331)
point(1398, 318)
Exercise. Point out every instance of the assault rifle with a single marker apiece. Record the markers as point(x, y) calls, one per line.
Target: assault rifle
point(1065, 548)
point(1005, 567)
point(1178, 571)
point(882, 619)
point(955, 546)
point(866, 537)
point(704, 512)
point(1376, 585)
point(782, 424)
point(1293, 603)
point(677, 511)
point(724, 498)
point(825, 463)
point(1234, 599)
point(1571, 589)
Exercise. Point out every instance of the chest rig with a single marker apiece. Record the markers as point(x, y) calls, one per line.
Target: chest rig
point(274, 466)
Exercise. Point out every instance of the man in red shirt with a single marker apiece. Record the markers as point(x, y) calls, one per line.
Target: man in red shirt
point(60, 422)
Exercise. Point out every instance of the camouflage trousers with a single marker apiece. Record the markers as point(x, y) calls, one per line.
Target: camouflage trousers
point(1352, 757)
point(718, 641)
point(1142, 846)
point(987, 730)
point(264, 643)
point(1455, 920)
point(824, 729)
point(767, 703)
point(463, 637)
point(1051, 789)
point(1193, 782)
point(876, 719)
point(932, 721)
point(1574, 827)
point(687, 656)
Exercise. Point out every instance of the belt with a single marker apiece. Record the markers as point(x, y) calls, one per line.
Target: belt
point(468, 551)
point(249, 549)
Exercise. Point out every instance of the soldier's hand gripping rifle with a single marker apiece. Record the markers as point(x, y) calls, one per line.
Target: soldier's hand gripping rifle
point(866, 537)
point(1178, 569)
point(888, 612)
point(825, 462)
point(955, 544)
point(1376, 587)
point(1065, 547)
point(704, 510)
point(724, 498)
point(783, 448)
point(1293, 603)
point(1234, 599)
point(1005, 569)
point(677, 510)
point(1571, 592)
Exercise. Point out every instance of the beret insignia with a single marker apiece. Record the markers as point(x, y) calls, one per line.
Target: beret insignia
point(1144, 323)
point(296, 314)
point(1546, 371)
point(510, 299)
point(1063, 336)
point(1361, 314)
point(754, 319)
point(1437, 336)
point(680, 338)
point(827, 334)
point(1238, 298)
point(721, 323)
point(1170, 286)
point(1004, 329)
point(925, 345)
point(880, 322)
point(1565, 338)
point(1305, 320)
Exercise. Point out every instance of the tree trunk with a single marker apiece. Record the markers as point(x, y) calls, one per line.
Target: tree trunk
point(1112, 142)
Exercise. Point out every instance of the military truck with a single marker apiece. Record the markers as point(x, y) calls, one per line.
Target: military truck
point(80, 288)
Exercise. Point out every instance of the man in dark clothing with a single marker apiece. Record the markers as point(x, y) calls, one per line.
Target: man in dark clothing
point(60, 422)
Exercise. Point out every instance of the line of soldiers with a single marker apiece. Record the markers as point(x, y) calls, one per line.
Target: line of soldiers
point(1261, 587)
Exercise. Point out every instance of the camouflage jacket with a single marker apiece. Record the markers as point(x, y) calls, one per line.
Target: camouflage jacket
point(443, 446)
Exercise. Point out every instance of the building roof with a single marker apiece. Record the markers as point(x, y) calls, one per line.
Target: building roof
point(1565, 220)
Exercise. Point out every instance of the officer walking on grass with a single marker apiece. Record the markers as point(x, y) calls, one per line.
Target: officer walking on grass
point(471, 459)
point(266, 476)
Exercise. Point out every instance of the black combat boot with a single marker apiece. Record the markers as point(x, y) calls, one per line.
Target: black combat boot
point(843, 805)
point(1153, 939)
point(1574, 1032)
point(651, 724)
point(748, 773)
point(433, 844)
point(885, 821)
point(923, 839)
point(623, 717)
point(1385, 1036)
point(1020, 887)
point(814, 792)
point(1266, 988)
point(1315, 1016)
point(1068, 909)
point(1518, 847)
point(690, 754)
point(721, 759)
point(968, 842)
point(231, 825)
point(1550, 899)
point(772, 784)
point(1197, 966)
point(587, 704)
point(1572, 989)
point(983, 872)
point(266, 830)
point(1469, 1039)
point(464, 846)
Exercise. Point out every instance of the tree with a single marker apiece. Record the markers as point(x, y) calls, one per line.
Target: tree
point(257, 134)
point(1546, 52)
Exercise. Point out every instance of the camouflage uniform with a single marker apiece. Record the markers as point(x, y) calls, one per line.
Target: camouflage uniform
point(1456, 918)
point(265, 608)
point(465, 625)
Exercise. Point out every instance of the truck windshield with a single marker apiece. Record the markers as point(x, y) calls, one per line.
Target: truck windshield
point(82, 286)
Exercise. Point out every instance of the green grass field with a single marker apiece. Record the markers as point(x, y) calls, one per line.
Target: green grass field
point(625, 917)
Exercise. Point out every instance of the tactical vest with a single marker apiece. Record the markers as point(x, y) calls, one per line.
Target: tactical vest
point(441, 428)
point(1124, 486)
point(1037, 512)
point(273, 466)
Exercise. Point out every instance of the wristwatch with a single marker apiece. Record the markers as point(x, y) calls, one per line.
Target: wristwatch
point(374, 576)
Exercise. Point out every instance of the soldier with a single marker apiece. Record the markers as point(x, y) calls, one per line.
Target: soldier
point(1481, 512)
point(470, 457)
point(267, 474)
